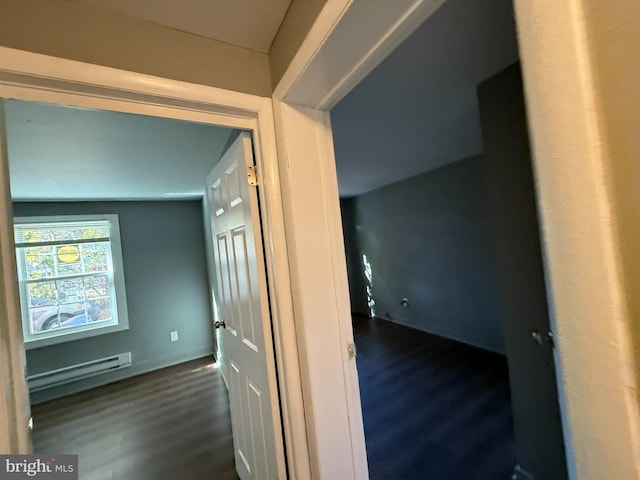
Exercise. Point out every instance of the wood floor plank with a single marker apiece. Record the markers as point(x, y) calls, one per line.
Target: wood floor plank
point(433, 408)
point(172, 424)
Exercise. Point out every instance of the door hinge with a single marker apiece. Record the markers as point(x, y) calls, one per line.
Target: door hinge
point(351, 350)
point(252, 175)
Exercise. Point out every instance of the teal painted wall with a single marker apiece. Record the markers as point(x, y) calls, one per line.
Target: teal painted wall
point(165, 268)
point(428, 238)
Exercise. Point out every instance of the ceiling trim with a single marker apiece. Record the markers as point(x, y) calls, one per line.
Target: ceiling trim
point(68, 82)
point(348, 40)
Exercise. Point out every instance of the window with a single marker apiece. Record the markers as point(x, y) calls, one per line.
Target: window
point(71, 277)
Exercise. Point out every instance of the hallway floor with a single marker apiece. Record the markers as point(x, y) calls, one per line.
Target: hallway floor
point(171, 424)
point(433, 408)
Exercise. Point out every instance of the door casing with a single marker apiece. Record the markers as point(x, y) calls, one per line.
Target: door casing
point(66, 82)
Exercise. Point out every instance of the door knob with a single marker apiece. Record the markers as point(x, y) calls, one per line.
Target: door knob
point(217, 325)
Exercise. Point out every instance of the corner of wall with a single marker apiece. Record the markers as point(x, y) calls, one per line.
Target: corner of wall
point(292, 32)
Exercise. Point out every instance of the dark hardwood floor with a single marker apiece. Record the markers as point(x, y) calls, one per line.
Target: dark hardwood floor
point(433, 408)
point(172, 424)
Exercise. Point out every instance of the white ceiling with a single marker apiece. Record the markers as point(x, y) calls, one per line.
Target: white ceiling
point(417, 110)
point(251, 24)
point(59, 153)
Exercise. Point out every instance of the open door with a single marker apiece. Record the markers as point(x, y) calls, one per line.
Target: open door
point(514, 221)
point(246, 345)
point(14, 396)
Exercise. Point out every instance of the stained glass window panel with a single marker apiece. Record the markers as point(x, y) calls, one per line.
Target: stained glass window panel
point(95, 257)
point(70, 291)
point(99, 310)
point(42, 293)
point(40, 262)
point(38, 233)
point(97, 286)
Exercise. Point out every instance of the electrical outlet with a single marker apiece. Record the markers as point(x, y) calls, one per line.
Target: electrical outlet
point(174, 336)
point(404, 302)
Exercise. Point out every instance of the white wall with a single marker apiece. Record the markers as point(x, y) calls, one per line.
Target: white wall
point(75, 31)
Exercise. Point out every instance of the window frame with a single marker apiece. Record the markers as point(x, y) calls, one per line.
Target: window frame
point(120, 316)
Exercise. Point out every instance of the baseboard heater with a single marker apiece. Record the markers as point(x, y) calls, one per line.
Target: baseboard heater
point(80, 371)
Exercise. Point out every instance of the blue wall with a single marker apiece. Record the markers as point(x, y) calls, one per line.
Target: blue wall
point(428, 239)
point(165, 270)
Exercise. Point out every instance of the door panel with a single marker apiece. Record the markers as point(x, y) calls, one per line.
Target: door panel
point(514, 224)
point(247, 357)
point(246, 314)
point(238, 420)
point(256, 416)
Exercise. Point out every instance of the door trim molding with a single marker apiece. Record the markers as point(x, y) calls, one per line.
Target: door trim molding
point(41, 78)
point(341, 48)
point(321, 293)
point(573, 161)
point(588, 305)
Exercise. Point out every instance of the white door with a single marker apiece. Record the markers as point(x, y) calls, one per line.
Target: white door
point(246, 348)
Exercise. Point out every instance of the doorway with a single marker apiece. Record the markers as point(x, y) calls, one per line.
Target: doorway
point(145, 172)
point(146, 177)
point(81, 164)
point(428, 188)
point(131, 93)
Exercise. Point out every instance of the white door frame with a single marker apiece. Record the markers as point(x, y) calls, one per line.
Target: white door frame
point(596, 376)
point(33, 77)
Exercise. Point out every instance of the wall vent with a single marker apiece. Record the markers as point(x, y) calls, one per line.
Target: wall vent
point(73, 373)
